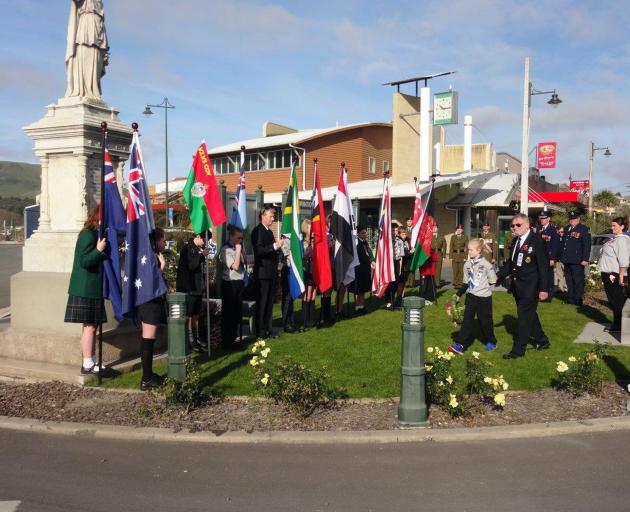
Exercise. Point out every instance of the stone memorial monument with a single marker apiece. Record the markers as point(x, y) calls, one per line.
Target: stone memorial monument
point(67, 141)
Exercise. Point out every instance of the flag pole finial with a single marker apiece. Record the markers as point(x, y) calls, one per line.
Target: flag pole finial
point(315, 160)
point(415, 179)
point(134, 126)
point(343, 165)
point(242, 148)
point(104, 126)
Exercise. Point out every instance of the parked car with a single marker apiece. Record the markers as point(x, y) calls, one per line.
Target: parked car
point(597, 244)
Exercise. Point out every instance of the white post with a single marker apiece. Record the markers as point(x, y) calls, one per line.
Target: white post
point(525, 148)
point(425, 135)
point(468, 143)
point(437, 148)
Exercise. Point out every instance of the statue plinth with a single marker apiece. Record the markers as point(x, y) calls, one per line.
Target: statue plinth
point(68, 143)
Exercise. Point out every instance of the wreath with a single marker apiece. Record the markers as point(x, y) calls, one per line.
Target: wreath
point(455, 311)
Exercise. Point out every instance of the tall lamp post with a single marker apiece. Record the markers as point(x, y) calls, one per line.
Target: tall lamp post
point(148, 112)
point(591, 191)
point(528, 92)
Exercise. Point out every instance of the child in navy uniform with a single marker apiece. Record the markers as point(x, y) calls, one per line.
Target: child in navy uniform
point(479, 279)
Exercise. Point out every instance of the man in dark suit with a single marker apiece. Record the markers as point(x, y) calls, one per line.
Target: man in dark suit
point(551, 240)
point(528, 265)
point(576, 254)
point(265, 270)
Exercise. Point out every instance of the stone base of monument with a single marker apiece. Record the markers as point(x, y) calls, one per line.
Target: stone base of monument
point(38, 332)
point(625, 324)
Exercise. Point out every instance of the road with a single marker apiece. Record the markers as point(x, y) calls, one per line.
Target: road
point(10, 263)
point(583, 472)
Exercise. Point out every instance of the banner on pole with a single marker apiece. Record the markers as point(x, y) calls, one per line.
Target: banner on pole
point(547, 155)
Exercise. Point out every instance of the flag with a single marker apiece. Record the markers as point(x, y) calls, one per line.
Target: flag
point(384, 267)
point(202, 194)
point(113, 224)
point(291, 229)
point(422, 229)
point(319, 239)
point(343, 229)
point(143, 280)
point(239, 210)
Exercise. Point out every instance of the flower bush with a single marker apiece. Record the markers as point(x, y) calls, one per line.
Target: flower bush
point(581, 374)
point(593, 280)
point(292, 383)
point(459, 398)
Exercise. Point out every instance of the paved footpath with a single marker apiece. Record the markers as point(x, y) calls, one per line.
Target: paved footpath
point(579, 472)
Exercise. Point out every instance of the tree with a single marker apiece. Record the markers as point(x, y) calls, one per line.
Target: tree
point(606, 198)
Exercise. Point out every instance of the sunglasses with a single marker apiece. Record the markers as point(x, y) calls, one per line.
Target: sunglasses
point(515, 225)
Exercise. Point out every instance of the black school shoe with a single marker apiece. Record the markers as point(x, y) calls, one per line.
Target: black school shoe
point(153, 382)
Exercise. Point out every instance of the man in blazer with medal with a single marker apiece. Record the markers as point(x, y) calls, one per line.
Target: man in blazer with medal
point(528, 266)
point(576, 253)
point(551, 240)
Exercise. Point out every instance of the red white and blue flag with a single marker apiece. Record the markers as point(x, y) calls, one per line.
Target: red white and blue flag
point(143, 280)
point(113, 226)
point(384, 267)
point(239, 210)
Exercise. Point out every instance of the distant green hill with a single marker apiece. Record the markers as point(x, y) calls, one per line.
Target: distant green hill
point(18, 179)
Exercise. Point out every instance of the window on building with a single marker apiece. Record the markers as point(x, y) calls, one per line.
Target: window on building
point(385, 166)
point(371, 165)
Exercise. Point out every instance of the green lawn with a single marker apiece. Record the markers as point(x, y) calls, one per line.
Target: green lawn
point(363, 354)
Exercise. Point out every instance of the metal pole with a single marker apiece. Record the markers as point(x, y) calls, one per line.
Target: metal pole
point(177, 358)
point(412, 409)
point(208, 326)
point(101, 234)
point(590, 178)
point(166, 158)
point(527, 89)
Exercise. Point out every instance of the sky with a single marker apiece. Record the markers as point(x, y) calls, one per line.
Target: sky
point(229, 66)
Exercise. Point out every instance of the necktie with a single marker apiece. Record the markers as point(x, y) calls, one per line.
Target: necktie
point(517, 248)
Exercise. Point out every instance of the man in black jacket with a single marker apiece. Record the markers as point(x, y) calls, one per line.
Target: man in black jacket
point(265, 270)
point(528, 265)
point(192, 258)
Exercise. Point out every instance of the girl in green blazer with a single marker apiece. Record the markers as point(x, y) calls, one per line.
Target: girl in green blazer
point(86, 288)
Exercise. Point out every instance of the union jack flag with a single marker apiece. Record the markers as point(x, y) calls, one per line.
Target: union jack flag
point(384, 267)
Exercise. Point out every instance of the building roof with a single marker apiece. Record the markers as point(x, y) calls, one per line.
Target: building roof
point(373, 189)
point(489, 191)
point(289, 138)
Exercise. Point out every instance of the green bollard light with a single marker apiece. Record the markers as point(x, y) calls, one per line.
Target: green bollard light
point(177, 336)
point(412, 409)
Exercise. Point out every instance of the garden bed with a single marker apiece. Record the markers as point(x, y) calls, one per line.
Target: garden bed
point(63, 402)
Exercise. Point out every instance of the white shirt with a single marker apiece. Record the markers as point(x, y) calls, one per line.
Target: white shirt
point(522, 239)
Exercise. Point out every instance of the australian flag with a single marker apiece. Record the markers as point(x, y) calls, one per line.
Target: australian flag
point(113, 225)
point(143, 279)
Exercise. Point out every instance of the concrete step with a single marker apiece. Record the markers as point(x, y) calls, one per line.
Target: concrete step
point(23, 371)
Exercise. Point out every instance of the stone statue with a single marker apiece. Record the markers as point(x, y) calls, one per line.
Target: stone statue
point(87, 49)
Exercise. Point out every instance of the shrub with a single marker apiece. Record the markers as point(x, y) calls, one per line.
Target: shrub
point(583, 375)
point(187, 394)
point(441, 387)
point(303, 390)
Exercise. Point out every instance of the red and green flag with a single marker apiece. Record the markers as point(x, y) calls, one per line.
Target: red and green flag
point(422, 231)
point(202, 194)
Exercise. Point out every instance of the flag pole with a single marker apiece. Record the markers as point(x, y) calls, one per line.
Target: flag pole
point(207, 283)
point(101, 234)
point(243, 250)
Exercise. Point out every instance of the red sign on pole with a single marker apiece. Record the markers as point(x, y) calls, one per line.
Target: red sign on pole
point(580, 186)
point(546, 155)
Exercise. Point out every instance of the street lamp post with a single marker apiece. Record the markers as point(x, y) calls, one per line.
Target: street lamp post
point(528, 92)
point(147, 112)
point(591, 191)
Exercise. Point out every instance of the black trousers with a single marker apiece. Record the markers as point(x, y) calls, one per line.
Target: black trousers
point(550, 280)
point(288, 319)
point(265, 289)
point(574, 275)
point(616, 296)
point(528, 324)
point(481, 307)
point(231, 311)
